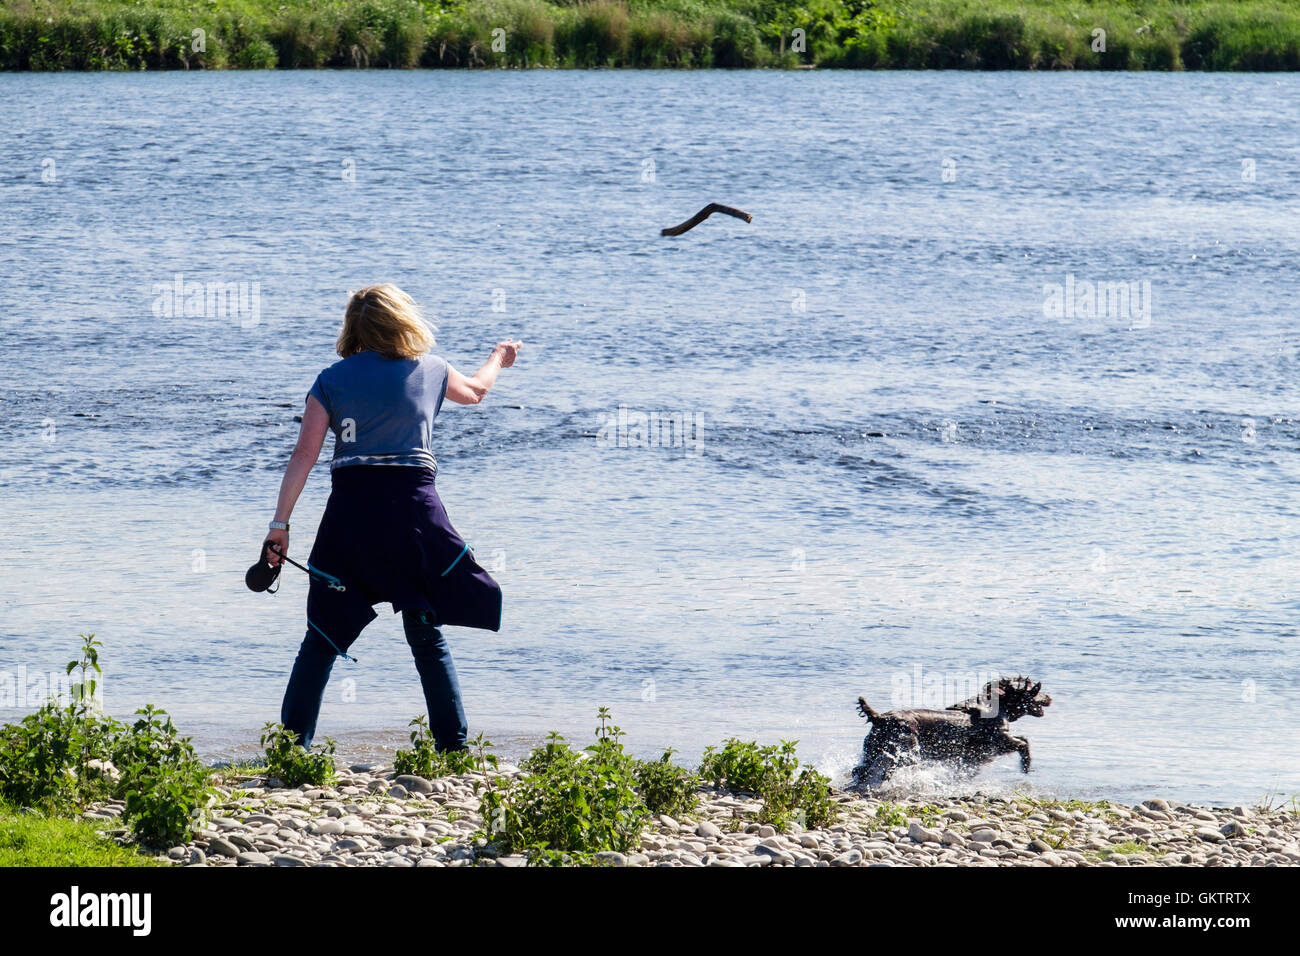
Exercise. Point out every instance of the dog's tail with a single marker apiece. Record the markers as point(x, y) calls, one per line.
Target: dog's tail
point(865, 710)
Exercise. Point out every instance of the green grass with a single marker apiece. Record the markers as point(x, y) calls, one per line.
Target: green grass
point(33, 839)
point(1127, 848)
point(913, 34)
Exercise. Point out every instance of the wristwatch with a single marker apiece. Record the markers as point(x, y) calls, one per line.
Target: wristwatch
point(278, 526)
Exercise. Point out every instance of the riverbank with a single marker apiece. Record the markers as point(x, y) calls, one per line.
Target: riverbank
point(373, 817)
point(900, 34)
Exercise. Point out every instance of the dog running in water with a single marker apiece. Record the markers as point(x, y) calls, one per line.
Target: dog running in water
point(967, 735)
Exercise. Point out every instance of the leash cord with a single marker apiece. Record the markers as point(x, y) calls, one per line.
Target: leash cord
point(331, 580)
point(320, 575)
point(331, 643)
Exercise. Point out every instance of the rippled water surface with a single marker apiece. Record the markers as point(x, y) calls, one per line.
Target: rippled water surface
point(906, 475)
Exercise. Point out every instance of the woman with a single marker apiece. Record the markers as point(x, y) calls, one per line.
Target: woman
point(384, 536)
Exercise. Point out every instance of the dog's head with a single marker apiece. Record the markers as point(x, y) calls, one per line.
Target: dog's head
point(1020, 697)
point(1009, 698)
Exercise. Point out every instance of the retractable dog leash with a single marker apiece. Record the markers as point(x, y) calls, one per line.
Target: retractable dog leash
point(263, 574)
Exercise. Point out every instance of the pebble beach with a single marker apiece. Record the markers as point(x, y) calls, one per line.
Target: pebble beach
point(371, 816)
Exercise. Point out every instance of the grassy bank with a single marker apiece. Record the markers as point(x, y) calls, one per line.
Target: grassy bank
point(908, 34)
point(40, 839)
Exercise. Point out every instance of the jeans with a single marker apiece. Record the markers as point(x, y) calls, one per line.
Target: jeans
point(311, 671)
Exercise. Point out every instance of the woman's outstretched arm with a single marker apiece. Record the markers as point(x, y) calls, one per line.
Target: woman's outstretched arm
point(471, 391)
point(315, 423)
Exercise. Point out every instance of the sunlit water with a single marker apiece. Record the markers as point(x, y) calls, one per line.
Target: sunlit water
point(906, 472)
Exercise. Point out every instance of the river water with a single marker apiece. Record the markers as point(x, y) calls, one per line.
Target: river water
point(905, 448)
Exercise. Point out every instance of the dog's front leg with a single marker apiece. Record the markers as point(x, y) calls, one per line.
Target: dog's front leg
point(1022, 744)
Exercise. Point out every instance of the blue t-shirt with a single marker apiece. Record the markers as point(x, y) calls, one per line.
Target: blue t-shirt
point(382, 409)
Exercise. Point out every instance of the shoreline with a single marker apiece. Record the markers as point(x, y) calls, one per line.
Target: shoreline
point(1166, 35)
point(371, 818)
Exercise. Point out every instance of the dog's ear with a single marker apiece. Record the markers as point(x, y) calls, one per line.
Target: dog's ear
point(1033, 691)
point(865, 709)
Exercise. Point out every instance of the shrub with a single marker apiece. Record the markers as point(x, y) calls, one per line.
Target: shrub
point(44, 757)
point(291, 763)
point(424, 759)
point(257, 55)
point(37, 758)
point(666, 787)
point(596, 34)
point(46, 761)
point(570, 805)
point(164, 783)
point(772, 773)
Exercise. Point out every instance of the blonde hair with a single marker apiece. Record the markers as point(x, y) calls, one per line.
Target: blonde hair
point(384, 319)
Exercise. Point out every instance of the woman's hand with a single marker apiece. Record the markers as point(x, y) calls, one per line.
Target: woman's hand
point(279, 539)
point(472, 390)
point(507, 352)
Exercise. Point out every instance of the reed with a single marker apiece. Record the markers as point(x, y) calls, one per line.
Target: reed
point(852, 34)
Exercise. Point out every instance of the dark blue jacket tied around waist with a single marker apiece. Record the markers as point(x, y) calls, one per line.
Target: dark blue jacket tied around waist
point(387, 538)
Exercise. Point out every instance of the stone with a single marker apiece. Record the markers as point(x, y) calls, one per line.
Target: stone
point(253, 859)
point(611, 858)
point(398, 792)
point(413, 783)
point(218, 846)
point(708, 831)
point(921, 835)
point(285, 859)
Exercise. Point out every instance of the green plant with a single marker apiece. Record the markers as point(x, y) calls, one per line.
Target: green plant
point(424, 759)
point(890, 815)
point(666, 787)
point(291, 763)
point(46, 760)
point(38, 756)
point(772, 773)
point(569, 805)
point(44, 757)
point(164, 783)
point(929, 815)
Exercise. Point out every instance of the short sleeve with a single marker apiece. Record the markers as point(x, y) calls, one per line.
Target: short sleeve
point(438, 376)
point(318, 392)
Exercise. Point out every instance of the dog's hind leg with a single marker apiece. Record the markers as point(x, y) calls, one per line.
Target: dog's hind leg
point(871, 776)
point(901, 751)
